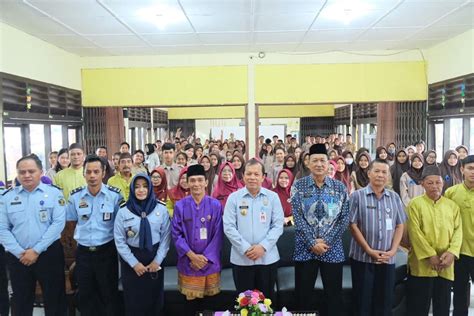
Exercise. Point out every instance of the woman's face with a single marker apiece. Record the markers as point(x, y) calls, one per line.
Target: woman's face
point(236, 162)
point(383, 154)
point(214, 161)
point(183, 182)
point(431, 158)
point(180, 160)
point(283, 180)
point(341, 165)
point(141, 189)
point(391, 148)
point(298, 152)
point(452, 160)
point(199, 152)
point(156, 179)
point(228, 156)
point(269, 149)
point(363, 162)
point(332, 155)
point(462, 153)
point(402, 157)
point(227, 174)
point(137, 158)
point(225, 146)
point(280, 155)
point(63, 160)
point(417, 163)
point(306, 161)
point(190, 153)
point(206, 164)
point(290, 163)
point(410, 152)
point(331, 170)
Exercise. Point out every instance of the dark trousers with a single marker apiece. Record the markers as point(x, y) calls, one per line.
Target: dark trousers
point(260, 277)
point(49, 272)
point(4, 299)
point(372, 286)
point(97, 280)
point(463, 269)
point(306, 273)
point(142, 295)
point(422, 290)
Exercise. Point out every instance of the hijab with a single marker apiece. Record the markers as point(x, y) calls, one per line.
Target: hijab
point(161, 191)
point(425, 156)
point(378, 151)
point(209, 174)
point(343, 176)
point(224, 189)
point(451, 174)
point(362, 174)
point(293, 170)
point(177, 193)
point(352, 165)
point(284, 193)
point(391, 156)
point(142, 209)
point(415, 174)
point(398, 169)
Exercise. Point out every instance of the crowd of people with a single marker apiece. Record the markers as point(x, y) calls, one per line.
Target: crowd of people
point(129, 205)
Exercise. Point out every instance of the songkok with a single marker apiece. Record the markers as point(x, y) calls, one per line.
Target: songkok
point(468, 159)
point(318, 149)
point(75, 146)
point(195, 170)
point(430, 171)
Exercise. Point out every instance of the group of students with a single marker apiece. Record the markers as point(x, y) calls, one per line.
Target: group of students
point(151, 198)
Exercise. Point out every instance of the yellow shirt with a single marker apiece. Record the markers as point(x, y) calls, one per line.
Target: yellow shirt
point(69, 179)
point(464, 198)
point(434, 228)
point(123, 184)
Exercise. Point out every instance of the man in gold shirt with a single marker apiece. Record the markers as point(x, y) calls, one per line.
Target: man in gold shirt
point(72, 177)
point(463, 195)
point(434, 228)
point(123, 178)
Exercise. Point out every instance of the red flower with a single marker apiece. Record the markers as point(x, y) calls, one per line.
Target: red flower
point(244, 301)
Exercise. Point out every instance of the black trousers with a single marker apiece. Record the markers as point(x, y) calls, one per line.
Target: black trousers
point(260, 277)
point(142, 295)
point(4, 299)
point(306, 273)
point(372, 288)
point(49, 272)
point(97, 280)
point(422, 290)
point(463, 269)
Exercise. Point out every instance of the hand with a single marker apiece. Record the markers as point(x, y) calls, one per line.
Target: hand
point(153, 266)
point(29, 257)
point(197, 261)
point(446, 260)
point(140, 269)
point(387, 255)
point(434, 263)
point(320, 247)
point(255, 252)
point(377, 256)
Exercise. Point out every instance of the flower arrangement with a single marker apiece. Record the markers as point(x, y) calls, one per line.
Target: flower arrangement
point(253, 303)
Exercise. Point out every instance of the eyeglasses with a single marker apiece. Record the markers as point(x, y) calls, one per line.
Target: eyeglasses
point(156, 178)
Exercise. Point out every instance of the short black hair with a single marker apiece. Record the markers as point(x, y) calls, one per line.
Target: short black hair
point(158, 141)
point(254, 162)
point(348, 134)
point(139, 151)
point(118, 153)
point(378, 160)
point(125, 143)
point(94, 158)
point(53, 153)
point(125, 156)
point(33, 157)
point(168, 146)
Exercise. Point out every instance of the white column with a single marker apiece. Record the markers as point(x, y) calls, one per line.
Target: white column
point(251, 119)
point(125, 125)
point(2, 154)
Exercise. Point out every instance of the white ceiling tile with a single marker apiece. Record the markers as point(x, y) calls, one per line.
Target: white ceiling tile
point(323, 46)
point(278, 37)
point(143, 27)
point(411, 14)
point(116, 40)
point(67, 40)
point(283, 22)
point(128, 8)
point(382, 34)
point(88, 51)
point(215, 7)
point(173, 39)
point(226, 48)
point(412, 44)
point(441, 32)
point(363, 22)
point(222, 23)
point(463, 16)
point(235, 38)
point(332, 35)
point(97, 25)
point(290, 7)
point(273, 48)
point(70, 8)
point(133, 50)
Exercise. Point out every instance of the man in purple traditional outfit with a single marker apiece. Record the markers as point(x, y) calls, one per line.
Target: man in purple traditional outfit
point(197, 233)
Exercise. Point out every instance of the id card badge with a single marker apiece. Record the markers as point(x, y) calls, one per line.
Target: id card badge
point(388, 223)
point(263, 217)
point(203, 233)
point(332, 209)
point(107, 216)
point(43, 216)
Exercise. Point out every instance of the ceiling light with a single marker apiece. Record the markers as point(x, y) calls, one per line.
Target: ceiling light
point(346, 10)
point(161, 15)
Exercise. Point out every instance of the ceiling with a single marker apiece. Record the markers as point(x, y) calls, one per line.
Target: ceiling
point(114, 27)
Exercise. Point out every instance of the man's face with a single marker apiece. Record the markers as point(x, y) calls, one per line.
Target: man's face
point(168, 156)
point(349, 139)
point(138, 158)
point(275, 139)
point(318, 164)
point(253, 177)
point(28, 174)
point(125, 165)
point(197, 185)
point(378, 175)
point(101, 152)
point(76, 156)
point(468, 172)
point(94, 174)
point(124, 148)
point(433, 186)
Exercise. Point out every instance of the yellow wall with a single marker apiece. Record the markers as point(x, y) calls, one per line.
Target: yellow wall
point(452, 58)
point(290, 110)
point(27, 56)
point(165, 86)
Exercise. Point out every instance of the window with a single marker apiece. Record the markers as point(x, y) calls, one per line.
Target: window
point(71, 136)
point(13, 146)
point(471, 145)
point(37, 143)
point(439, 129)
point(56, 137)
point(455, 132)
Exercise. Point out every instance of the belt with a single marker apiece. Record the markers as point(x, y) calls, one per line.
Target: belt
point(95, 248)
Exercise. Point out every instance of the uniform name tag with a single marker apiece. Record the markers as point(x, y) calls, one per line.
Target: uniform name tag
point(263, 217)
point(15, 203)
point(388, 223)
point(203, 233)
point(43, 216)
point(107, 216)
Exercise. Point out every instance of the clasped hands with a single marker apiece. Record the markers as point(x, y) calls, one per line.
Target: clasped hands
point(442, 262)
point(196, 261)
point(380, 256)
point(140, 269)
point(320, 247)
point(29, 257)
point(255, 252)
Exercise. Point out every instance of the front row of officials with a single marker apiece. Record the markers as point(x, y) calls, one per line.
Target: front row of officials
point(33, 215)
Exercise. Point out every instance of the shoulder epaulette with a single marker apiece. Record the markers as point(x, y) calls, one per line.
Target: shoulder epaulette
point(79, 189)
point(123, 203)
point(113, 189)
point(53, 185)
point(161, 202)
point(6, 191)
